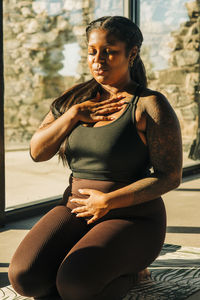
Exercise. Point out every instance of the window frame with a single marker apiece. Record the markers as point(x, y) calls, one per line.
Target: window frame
point(132, 11)
point(2, 146)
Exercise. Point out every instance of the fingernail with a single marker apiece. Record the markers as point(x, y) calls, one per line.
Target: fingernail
point(72, 200)
point(80, 191)
point(112, 118)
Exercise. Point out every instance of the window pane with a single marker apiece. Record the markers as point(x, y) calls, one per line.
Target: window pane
point(44, 54)
point(171, 56)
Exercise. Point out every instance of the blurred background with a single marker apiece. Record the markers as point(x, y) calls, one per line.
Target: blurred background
point(45, 53)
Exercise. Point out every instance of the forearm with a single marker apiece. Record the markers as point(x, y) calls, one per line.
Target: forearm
point(46, 141)
point(142, 191)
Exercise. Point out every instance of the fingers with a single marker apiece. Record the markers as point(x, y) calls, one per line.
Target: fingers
point(84, 214)
point(107, 108)
point(106, 111)
point(93, 110)
point(92, 220)
point(85, 191)
point(109, 105)
point(108, 101)
point(78, 200)
point(102, 118)
point(79, 209)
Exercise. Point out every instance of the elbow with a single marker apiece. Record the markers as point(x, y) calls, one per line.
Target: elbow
point(33, 151)
point(175, 180)
point(39, 151)
point(36, 151)
point(34, 156)
point(176, 183)
point(39, 155)
point(170, 181)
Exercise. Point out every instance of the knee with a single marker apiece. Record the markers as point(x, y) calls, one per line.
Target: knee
point(27, 282)
point(77, 283)
point(20, 280)
point(73, 287)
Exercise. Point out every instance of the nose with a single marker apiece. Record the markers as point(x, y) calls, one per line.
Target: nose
point(100, 56)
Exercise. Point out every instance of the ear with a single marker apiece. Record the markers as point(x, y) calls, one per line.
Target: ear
point(133, 53)
point(132, 56)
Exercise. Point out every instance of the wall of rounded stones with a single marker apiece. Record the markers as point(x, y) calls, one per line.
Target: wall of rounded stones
point(33, 56)
point(180, 82)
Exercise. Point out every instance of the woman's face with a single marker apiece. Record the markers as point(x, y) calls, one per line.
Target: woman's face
point(107, 58)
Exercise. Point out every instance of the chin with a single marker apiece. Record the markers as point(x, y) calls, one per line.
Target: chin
point(102, 80)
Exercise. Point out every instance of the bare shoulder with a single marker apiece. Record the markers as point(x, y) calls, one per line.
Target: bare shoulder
point(162, 130)
point(155, 104)
point(158, 112)
point(153, 107)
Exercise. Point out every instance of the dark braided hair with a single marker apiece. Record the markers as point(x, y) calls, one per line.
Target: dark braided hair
point(122, 28)
point(125, 31)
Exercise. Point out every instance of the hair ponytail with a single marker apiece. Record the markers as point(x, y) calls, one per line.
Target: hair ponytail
point(138, 72)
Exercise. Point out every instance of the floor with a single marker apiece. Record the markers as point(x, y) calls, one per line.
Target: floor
point(175, 275)
point(182, 205)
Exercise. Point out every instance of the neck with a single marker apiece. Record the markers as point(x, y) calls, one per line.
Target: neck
point(114, 91)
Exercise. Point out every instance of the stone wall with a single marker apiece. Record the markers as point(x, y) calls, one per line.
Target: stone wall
point(180, 82)
point(33, 53)
point(33, 56)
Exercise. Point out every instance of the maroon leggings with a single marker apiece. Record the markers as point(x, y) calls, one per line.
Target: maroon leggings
point(62, 257)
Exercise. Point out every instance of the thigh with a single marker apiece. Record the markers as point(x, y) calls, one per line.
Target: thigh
point(125, 246)
point(35, 262)
point(111, 249)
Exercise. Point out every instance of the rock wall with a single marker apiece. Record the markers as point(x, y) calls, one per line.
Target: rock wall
point(33, 56)
point(180, 82)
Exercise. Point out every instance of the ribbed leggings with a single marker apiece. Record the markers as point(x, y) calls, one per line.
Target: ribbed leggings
point(62, 257)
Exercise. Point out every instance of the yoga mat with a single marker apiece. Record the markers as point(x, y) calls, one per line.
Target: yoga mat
point(175, 275)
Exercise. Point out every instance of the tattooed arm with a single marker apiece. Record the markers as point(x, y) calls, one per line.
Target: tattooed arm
point(163, 137)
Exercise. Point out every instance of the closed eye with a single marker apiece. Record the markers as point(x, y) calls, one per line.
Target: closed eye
point(110, 51)
point(105, 51)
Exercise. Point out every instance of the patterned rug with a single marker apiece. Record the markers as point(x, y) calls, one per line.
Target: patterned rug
point(175, 275)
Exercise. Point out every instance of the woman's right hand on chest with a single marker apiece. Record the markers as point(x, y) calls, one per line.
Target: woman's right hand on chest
point(46, 141)
point(95, 110)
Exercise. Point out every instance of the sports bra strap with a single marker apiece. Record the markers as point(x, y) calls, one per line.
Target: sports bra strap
point(137, 95)
point(135, 100)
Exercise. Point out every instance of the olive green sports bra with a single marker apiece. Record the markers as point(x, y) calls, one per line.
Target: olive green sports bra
point(112, 152)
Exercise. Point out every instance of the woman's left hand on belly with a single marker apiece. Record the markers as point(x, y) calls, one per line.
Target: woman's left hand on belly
point(95, 205)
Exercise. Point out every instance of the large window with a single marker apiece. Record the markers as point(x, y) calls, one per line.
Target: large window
point(171, 55)
point(44, 54)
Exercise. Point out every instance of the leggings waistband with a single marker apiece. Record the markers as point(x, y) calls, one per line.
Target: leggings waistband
point(152, 209)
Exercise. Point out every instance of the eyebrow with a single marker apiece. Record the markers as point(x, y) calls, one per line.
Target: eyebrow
point(106, 45)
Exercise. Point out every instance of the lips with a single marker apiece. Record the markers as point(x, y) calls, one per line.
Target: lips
point(100, 71)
